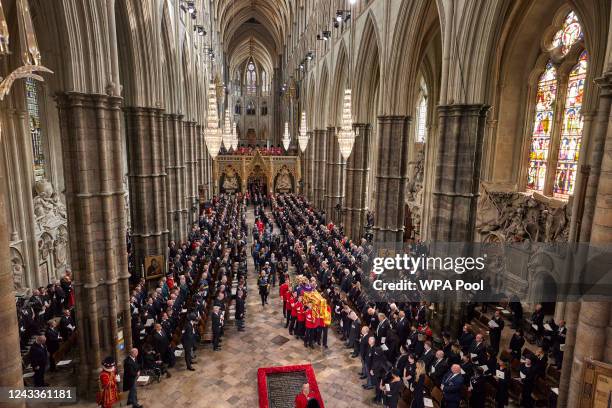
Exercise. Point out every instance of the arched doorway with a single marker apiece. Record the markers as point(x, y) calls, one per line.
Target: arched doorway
point(257, 183)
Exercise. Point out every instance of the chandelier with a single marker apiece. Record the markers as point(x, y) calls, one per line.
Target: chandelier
point(286, 138)
point(346, 135)
point(227, 131)
point(212, 133)
point(303, 134)
point(234, 139)
point(30, 54)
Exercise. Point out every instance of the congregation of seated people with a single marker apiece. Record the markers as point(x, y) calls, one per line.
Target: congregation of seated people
point(402, 360)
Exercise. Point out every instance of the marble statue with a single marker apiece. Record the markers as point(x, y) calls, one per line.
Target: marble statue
point(48, 207)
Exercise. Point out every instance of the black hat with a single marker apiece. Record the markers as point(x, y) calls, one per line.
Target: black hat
point(108, 362)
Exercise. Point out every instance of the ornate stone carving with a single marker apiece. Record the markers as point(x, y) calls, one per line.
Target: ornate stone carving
point(60, 247)
point(48, 207)
point(414, 191)
point(45, 246)
point(18, 270)
point(518, 217)
point(283, 181)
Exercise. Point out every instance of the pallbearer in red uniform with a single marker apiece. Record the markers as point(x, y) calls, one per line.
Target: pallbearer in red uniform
point(107, 394)
point(282, 291)
point(292, 305)
point(301, 318)
point(311, 327)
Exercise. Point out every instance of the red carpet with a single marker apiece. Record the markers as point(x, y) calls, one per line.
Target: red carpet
point(290, 379)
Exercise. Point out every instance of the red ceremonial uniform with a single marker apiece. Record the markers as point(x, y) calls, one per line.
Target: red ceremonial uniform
point(299, 307)
point(311, 321)
point(293, 306)
point(107, 395)
point(282, 289)
point(288, 300)
point(301, 401)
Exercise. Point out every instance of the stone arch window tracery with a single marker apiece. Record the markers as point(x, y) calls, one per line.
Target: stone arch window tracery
point(251, 78)
point(553, 151)
point(36, 131)
point(421, 116)
point(265, 84)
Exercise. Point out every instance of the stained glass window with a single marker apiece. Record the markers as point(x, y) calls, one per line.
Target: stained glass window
point(540, 138)
point(571, 132)
point(570, 32)
point(265, 86)
point(421, 130)
point(38, 153)
point(251, 78)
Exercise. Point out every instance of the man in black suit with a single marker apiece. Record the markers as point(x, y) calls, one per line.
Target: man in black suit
point(188, 339)
point(240, 310)
point(438, 368)
point(402, 327)
point(38, 360)
point(382, 329)
point(478, 349)
point(67, 325)
point(131, 371)
point(216, 328)
point(496, 326)
point(428, 355)
point(421, 314)
point(161, 345)
point(452, 384)
point(53, 342)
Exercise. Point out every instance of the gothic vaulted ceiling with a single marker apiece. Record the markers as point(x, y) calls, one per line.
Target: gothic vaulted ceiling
point(253, 28)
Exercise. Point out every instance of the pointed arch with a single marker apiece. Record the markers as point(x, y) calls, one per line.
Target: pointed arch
point(322, 119)
point(367, 71)
point(339, 85)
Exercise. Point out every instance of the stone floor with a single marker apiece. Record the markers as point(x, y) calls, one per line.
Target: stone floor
point(228, 378)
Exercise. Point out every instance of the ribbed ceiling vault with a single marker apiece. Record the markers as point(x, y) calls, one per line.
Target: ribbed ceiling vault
point(253, 28)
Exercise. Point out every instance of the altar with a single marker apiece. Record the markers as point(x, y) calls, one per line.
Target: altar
point(232, 172)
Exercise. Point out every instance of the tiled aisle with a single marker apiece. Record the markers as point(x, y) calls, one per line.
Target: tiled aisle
point(228, 378)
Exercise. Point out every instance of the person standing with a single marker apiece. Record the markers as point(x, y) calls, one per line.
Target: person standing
point(188, 340)
point(451, 387)
point(38, 360)
point(282, 292)
point(131, 371)
point(216, 328)
point(263, 285)
point(496, 327)
point(107, 394)
point(240, 310)
point(301, 400)
point(311, 327)
point(53, 342)
point(419, 386)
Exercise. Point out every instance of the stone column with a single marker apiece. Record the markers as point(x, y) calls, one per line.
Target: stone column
point(10, 357)
point(336, 176)
point(147, 181)
point(357, 170)
point(591, 338)
point(200, 176)
point(457, 177)
point(391, 178)
point(310, 158)
point(175, 168)
point(90, 127)
point(190, 163)
point(320, 144)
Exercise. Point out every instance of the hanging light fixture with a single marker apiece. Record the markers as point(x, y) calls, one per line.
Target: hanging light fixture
point(346, 135)
point(234, 137)
point(212, 133)
point(286, 137)
point(303, 135)
point(227, 131)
